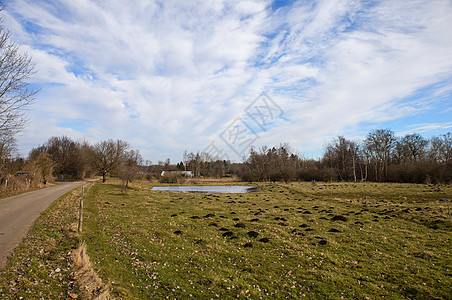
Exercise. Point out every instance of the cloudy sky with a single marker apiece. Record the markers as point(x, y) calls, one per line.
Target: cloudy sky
point(169, 76)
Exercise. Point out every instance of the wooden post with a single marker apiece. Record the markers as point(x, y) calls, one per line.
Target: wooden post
point(80, 212)
point(366, 201)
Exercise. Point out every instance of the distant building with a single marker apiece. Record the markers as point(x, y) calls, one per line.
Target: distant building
point(183, 173)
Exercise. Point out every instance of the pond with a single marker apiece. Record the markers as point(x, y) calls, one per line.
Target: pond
point(211, 189)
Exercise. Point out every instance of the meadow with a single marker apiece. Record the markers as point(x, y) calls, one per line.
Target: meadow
point(290, 240)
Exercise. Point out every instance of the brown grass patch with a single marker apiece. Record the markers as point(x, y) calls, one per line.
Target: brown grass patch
point(88, 280)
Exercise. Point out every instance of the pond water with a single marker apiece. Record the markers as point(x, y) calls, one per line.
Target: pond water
point(211, 189)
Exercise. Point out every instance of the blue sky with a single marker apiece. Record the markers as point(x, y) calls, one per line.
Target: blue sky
point(169, 76)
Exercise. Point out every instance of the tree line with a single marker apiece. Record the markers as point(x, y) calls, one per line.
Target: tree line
point(381, 156)
point(61, 158)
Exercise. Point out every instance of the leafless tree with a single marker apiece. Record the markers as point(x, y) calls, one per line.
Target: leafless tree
point(45, 165)
point(16, 67)
point(342, 155)
point(193, 162)
point(7, 147)
point(441, 148)
point(66, 156)
point(410, 148)
point(271, 164)
point(128, 169)
point(380, 143)
point(107, 156)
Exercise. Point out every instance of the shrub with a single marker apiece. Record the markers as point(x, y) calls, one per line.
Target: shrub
point(172, 178)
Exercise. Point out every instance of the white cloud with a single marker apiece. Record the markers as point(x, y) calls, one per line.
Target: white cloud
point(171, 76)
point(422, 128)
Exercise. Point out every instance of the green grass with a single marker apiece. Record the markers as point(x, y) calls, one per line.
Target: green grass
point(159, 244)
point(40, 267)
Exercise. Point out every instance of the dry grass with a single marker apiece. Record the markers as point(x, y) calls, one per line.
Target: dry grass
point(49, 263)
point(41, 266)
point(87, 279)
point(318, 240)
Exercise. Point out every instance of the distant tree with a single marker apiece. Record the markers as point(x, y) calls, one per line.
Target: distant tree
point(342, 155)
point(107, 156)
point(66, 155)
point(271, 164)
point(203, 164)
point(39, 168)
point(35, 152)
point(441, 148)
point(410, 148)
point(193, 162)
point(7, 147)
point(128, 168)
point(313, 170)
point(379, 144)
point(186, 160)
point(86, 154)
point(45, 166)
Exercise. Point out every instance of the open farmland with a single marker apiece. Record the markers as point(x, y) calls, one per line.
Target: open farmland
point(288, 240)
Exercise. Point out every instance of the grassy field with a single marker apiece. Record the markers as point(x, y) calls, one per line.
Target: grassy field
point(41, 266)
point(313, 240)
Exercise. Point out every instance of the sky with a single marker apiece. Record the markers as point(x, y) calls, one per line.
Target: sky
point(223, 76)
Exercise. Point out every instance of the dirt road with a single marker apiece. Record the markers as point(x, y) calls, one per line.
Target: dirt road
point(18, 213)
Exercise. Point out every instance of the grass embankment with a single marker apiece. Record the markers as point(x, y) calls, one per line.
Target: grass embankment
point(5, 193)
point(41, 266)
point(289, 240)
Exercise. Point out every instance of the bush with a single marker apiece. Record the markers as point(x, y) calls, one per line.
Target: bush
point(285, 174)
point(317, 174)
point(172, 178)
point(422, 172)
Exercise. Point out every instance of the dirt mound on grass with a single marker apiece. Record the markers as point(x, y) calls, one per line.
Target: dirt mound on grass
point(89, 282)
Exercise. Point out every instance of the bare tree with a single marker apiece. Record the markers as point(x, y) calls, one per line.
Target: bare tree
point(441, 148)
point(410, 148)
point(128, 169)
point(107, 156)
point(45, 165)
point(380, 143)
point(341, 155)
point(16, 95)
point(271, 164)
point(193, 162)
point(66, 155)
point(7, 147)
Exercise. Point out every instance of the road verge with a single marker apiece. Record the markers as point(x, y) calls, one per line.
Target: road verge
point(45, 264)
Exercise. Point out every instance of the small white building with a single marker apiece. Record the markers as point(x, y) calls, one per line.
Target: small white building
point(182, 173)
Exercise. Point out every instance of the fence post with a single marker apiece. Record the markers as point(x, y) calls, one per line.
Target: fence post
point(80, 212)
